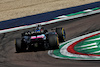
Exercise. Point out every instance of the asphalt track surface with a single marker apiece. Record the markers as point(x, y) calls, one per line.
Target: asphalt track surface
point(74, 28)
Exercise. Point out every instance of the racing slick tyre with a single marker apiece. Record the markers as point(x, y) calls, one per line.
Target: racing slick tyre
point(53, 41)
point(20, 47)
point(61, 34)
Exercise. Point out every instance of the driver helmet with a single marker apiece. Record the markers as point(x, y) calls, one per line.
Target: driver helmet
point(39, 28)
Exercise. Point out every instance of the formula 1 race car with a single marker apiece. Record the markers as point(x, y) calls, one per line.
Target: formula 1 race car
point(40, 38)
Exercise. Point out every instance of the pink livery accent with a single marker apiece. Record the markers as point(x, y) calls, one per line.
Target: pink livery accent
point(39, 36)
point(33, 37)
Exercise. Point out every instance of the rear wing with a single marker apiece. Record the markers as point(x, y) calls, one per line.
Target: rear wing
point(32, 33)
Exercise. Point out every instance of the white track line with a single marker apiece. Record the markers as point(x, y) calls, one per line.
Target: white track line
point(93, 39)
point(88, 45)
point(96, 51)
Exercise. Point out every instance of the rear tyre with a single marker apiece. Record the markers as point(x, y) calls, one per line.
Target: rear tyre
point(61, 34)
point(53, 41)
point(20, 47)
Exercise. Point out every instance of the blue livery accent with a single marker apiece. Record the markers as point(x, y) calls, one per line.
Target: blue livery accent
point(38, 30)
